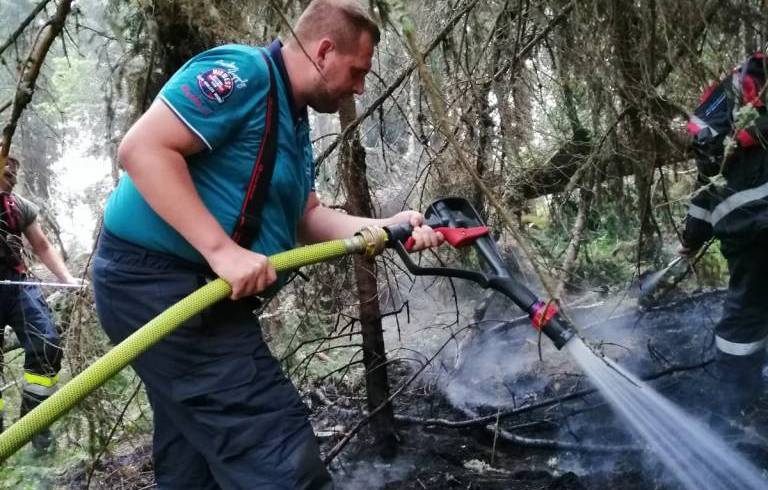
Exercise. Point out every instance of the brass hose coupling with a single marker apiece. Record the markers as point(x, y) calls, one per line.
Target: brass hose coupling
point(374, 240)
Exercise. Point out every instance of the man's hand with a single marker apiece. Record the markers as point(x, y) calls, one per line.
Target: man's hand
point(75, 281)
point(247, 272)
point(424, 237)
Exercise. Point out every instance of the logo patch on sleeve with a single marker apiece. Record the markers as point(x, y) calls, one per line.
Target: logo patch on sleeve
point(216, 84)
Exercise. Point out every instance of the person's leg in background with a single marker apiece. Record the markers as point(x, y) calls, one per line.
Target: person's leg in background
point(29, 316)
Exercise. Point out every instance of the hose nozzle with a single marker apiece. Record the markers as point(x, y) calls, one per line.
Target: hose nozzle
point(546, 318)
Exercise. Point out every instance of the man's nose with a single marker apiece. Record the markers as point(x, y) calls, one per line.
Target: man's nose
point(359, 87)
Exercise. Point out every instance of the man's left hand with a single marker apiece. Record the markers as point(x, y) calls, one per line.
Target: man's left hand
point(423, 236)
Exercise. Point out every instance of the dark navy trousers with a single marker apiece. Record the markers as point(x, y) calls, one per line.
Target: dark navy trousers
point(745, 311)
point(24, 308)
point(225, 415)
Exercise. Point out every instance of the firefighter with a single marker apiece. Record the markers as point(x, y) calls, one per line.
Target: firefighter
point(731, 204)
point(23, 306)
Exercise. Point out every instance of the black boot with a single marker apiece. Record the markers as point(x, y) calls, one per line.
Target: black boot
point(43, 439)
point(739, 383)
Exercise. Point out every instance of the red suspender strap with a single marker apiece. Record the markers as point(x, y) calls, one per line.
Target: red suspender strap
point(248, 223)
point(9, 212)
point(9, 231)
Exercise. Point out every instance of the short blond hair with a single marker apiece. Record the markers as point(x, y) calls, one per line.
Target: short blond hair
point(341, 20)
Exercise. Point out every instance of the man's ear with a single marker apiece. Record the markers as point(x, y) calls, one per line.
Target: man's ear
point(324, 47)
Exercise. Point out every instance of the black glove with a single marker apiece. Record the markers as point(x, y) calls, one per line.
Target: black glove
point(709, 151)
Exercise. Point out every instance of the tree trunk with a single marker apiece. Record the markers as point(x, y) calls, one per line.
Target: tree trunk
point(353, 175)
point(632, 63)
point(570, 261)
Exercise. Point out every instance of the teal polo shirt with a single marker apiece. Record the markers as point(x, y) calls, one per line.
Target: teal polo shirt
point(221, 96)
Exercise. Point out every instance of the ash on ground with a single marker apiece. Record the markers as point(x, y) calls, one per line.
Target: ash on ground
point(540, 426)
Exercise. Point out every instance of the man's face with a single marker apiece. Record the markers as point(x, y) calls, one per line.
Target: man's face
point(343, 73)
point(9, 175)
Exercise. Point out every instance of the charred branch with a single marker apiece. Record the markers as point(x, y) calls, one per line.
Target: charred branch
point(387, 403)
point(557, 444)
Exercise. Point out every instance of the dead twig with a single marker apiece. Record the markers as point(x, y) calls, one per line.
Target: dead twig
point(24, 23)
point(390, 90)
point(117, 424)
point(364, 421)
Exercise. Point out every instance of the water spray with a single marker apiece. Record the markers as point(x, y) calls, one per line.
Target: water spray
point(650, 282)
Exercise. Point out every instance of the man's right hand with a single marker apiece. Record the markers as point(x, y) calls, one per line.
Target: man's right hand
point(247, 272)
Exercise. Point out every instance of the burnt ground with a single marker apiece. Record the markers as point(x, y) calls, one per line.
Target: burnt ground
point(543, 442)
point(572, 444)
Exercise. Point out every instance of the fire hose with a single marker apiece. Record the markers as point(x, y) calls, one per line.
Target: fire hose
point(162, 325)
point(454, 217)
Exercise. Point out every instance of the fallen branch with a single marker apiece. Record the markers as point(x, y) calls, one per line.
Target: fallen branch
point(555, 444)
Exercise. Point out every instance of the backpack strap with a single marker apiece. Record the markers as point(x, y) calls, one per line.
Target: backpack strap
point(249, 222)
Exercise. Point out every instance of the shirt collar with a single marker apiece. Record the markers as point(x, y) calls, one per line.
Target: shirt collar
point(277, 56)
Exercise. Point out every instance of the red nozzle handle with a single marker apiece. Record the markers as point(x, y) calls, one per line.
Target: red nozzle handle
point(457, 237)
point(542, 313)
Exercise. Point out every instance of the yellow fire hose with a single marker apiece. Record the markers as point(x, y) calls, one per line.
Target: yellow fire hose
point(369, 241)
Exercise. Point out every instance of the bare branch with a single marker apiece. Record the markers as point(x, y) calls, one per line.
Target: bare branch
point(390, 90)
point(15, 34)
point(30, 71)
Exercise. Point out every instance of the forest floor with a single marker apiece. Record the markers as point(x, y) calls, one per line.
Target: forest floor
point(579, 443)
point(548, 443)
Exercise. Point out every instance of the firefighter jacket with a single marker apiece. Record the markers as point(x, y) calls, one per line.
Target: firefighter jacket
point(736, 205)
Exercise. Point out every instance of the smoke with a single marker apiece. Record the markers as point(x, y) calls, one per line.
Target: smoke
point(500, 363)
point(373, 475)
point(496, 370)
point(491, 360)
